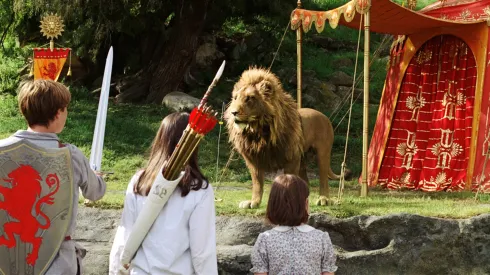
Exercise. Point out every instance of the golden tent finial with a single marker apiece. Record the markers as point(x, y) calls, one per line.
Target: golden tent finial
point(52, 27)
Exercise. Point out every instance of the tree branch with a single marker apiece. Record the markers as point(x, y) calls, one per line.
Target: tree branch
point(4, 35)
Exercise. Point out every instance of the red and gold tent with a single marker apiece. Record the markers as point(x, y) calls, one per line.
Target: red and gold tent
point(432, 131)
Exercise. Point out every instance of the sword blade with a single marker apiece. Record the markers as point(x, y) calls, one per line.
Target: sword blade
point(220, 71)
point(213, 83)
point(99, 131)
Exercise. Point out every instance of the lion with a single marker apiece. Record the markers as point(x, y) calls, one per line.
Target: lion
point(270, 133)
point(19, 201)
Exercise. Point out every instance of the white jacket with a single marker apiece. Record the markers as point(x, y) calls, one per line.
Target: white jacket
point(181, 241)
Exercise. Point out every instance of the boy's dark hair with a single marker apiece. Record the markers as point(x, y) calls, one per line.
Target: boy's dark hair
point(40, 100)
point(287, 201)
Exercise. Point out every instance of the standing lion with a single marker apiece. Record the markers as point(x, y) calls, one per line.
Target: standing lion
point(268, 130)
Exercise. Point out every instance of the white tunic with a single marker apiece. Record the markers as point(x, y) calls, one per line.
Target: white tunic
point(181, 241)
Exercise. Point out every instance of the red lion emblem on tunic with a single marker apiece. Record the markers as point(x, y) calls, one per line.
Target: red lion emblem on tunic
point(19, 201)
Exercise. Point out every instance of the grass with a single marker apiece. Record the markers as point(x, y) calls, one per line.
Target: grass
point(131, 128)
point(379, 202)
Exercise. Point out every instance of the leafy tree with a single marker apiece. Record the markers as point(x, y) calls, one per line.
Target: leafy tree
point(155, 41)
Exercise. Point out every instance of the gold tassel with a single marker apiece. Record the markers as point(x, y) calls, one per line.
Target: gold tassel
point(69, 67)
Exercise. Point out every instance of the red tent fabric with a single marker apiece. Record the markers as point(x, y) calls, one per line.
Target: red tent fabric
point(433, 126)
point(459, 10)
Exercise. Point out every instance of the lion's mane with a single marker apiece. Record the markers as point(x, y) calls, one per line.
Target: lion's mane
point(275, 137)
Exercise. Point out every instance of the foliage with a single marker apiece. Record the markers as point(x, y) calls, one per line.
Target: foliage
point(12, 63)
point(9, 75)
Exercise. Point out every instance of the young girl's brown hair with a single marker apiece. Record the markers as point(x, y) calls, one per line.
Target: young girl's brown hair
point(288, 201)
point(168, 135)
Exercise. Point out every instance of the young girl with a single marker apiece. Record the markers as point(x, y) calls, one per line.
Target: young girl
point(292, 247)
point(182, 239)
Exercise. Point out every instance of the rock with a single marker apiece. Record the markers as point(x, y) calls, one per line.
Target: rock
point(341, 79)
point(291, 77)
point(343, 62)
point(239, 50)
point(238, 230)
point(391, 244)
point(320, 95)
point(206, 54)
point(328, 88)
point(234, 259)
point(253, 41)
point(344, 91)
point(208, 38)
point(179, 101)
point(329, 98)
point(308, 101)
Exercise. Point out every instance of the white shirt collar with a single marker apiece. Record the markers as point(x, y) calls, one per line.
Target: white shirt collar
point(303, 228)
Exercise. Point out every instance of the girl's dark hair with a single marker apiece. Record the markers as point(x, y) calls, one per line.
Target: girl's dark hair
point(168, 135)
point(287, 201)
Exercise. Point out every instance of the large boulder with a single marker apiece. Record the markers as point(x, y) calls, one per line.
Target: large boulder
point(179, 101)
point(345, 92)
point(207, 54)
point(343, 63)
point(392, 244)
point(340, 78)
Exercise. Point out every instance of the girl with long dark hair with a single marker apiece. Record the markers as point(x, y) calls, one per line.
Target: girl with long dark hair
point(182, 239)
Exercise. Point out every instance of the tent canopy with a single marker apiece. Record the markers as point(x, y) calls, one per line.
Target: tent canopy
point(391, 18)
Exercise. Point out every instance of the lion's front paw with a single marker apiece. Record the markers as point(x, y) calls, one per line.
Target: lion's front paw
point(249, 204)
point(245, 204)
point(322, 201)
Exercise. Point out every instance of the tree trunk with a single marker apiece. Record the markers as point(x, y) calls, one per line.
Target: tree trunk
point(180, 49)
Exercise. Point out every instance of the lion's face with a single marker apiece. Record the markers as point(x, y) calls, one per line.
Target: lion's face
point(250, 102)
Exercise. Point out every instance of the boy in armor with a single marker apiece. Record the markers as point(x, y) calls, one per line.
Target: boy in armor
point(44, 105)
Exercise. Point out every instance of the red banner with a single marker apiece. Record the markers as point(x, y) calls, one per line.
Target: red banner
point(48, 64)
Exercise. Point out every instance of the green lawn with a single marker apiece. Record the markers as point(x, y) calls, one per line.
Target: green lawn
point(130, 130)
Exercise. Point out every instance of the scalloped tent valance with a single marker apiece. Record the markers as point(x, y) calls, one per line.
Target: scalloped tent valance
point(386, 17)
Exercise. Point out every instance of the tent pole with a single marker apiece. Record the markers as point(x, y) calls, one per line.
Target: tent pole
point(365, 126)
point(299, 38)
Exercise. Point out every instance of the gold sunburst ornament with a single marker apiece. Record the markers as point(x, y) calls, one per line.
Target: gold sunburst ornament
point(52, 27)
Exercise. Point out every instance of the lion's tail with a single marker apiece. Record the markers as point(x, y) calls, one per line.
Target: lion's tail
point(51, 179)
point(333, 176)
point(46, 218)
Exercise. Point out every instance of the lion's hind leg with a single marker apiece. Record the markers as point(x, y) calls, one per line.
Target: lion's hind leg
point(29, 236)
point(32, 257)
point(10, 228)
